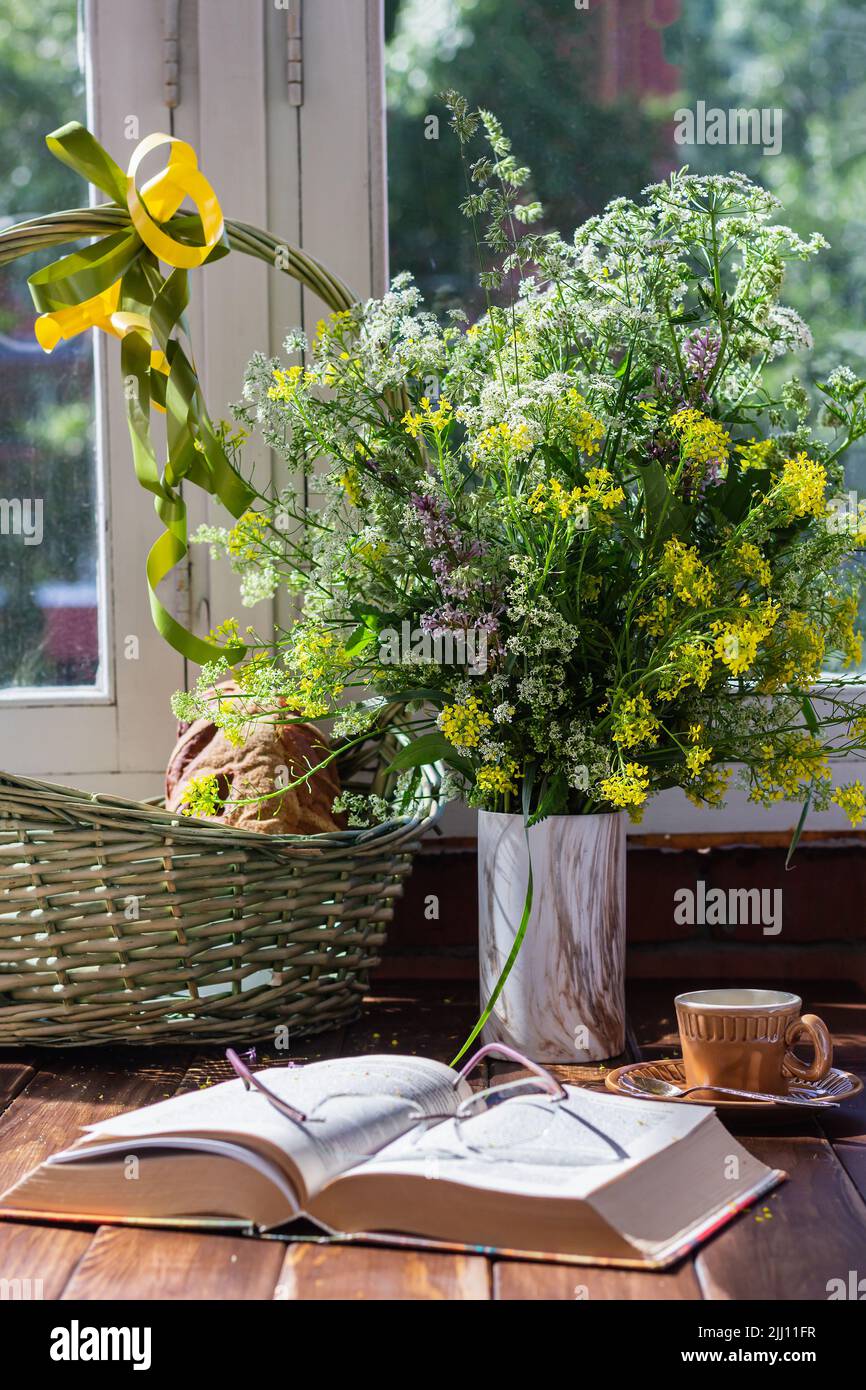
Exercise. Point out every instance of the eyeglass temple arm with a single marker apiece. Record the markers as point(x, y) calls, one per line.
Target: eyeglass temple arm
point(249, 1080)
point(555, 1087)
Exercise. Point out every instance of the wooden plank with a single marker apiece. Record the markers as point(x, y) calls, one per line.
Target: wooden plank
point(520, 1279)
point(15, 1074)
point(209, 1066)
point(71, 1090)
point(42, 1257)
point(590, 1075)
point(351, 1273)
point(848, 1123)
point(843, 1009)
point(807, 1232)
point(740, 839)
point(853, 1160)
point(129, 1264)
point(415, 1019)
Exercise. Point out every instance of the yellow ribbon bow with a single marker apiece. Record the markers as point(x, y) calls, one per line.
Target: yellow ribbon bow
point(117, 285)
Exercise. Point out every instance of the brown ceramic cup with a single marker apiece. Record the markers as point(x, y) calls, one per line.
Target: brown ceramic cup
point(742, 1038)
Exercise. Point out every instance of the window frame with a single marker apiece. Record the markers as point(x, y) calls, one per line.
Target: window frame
point(104, 737)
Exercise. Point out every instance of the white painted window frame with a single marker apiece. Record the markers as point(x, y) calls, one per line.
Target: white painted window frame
point(115, 737)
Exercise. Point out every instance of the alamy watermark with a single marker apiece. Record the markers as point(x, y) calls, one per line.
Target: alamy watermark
point(22, 516)
point(853, 1288)
point(21, 1290)
point(77, 1343)
point(737, 126)
point(731, 907)
point(446, 648)
point(846, 513)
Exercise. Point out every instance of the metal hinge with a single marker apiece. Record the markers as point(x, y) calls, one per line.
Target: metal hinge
point(295, 53)
point(171, 53)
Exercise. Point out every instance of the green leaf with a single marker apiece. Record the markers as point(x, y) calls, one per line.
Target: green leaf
point(360, 638)
point(552, 800)
point(528, 783)
point(814, 726)
point(795, 838)
point(418, 692)
point(666, 515)
point(426, 749)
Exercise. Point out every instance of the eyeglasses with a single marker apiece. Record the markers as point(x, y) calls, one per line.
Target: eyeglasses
point(541, 1096)
point(534, 1104)
point(542, 1084)
point(289, 1112)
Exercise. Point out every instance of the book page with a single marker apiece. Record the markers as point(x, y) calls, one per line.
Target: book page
point(354, 1107)
point(538, 1147)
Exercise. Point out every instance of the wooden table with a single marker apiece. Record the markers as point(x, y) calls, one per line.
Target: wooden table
point(815, 1230)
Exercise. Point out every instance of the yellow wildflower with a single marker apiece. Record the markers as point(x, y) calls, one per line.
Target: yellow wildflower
point(852, 799)
point(287, 383)
point(499, 779)
point(567, 503)
point(753, 564)
point(228, 631)
point(802, 486)
point(504, 441)
point(690, 580)
point(736, 643)
point(801, 646)
point(634, 722)
point(350, 482)
point(697, 758)
point(201, 796)
point(842, 633)
point(701, 439)
point(598, 489)
point(783, 772)
point(691, 664)
point(463, 724)
point(430, 418)
point(571, 423)
point(756, 453)
point(628, 787)
point(537, 499)
point(711, 789)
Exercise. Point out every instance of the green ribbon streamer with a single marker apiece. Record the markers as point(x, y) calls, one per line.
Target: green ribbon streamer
point(526, 798)
point(195, 452)
point(506, 969)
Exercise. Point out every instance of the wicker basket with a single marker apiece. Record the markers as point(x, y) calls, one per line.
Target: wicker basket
point(122, 923)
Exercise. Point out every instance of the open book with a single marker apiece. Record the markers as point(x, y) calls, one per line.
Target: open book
point(594, 1177)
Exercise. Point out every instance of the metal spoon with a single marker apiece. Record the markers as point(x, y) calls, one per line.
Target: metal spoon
point(653, 1086)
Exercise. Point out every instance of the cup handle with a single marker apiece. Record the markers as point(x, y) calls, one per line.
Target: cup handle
point(819, 1036)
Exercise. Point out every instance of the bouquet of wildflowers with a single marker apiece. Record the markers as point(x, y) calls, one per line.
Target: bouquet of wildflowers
point(588, 547)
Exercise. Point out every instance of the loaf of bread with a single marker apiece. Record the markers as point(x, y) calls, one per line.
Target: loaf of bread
point(272, 755)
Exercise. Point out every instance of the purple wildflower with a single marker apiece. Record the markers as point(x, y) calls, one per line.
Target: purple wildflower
point(434, 519)
point(701, 350)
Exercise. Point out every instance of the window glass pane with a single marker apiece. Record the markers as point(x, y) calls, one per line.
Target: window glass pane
point(590, 95)
point(49, 535)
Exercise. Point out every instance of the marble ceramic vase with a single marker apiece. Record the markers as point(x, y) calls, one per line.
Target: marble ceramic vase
point(564, 1000)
